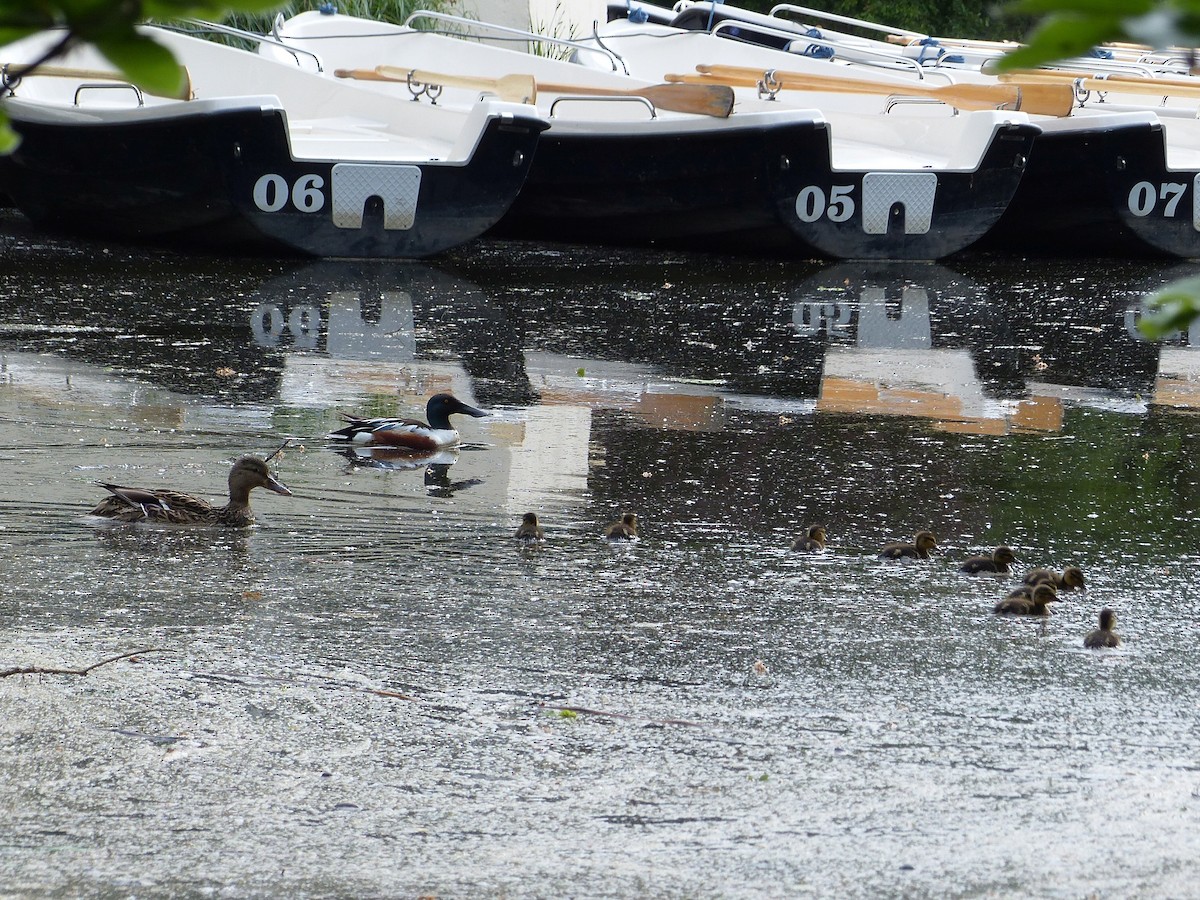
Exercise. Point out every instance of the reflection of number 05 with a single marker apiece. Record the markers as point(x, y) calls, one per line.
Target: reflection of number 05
point(811, 203)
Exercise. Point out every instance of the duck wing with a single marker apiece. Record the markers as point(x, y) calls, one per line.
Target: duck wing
point(361, 430)
point(160, 505)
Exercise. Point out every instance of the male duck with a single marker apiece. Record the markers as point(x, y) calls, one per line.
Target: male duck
point(1036, 605)
point(530, 531)
point(1070, 579)
point(419, 437)
point(625, 530)
point(1103, 636)
point(998, 562)
point(812, 541)
point(923, 542)
point(175, 508)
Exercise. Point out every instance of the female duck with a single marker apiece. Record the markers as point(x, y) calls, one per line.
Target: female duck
point(1104, 635)
point(530, 531)
point(1036, 605)
point(625, 530)
point(998, 562)
point(420, 437)
point(175, 508)
point(923, 542)
point(1071, 578)
point(812, 541)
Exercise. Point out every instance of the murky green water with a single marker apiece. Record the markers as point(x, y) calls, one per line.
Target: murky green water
point(365, 695)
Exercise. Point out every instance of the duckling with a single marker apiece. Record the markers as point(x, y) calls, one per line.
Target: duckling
point(812, 541)
point(530, 531)
point(1104, 635)
point(625, 530)
point(923, 542)
point(1070, 579)
point(1042, 595)
point(997, 562)
point(175, 508)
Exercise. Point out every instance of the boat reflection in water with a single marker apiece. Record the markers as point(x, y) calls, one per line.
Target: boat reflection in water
point(924, 341)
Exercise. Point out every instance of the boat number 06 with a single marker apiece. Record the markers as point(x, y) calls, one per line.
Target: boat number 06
point(811, 203)
point(1144, 196)
point(271, 193)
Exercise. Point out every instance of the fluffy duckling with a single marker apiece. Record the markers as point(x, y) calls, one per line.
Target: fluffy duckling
point(923, 542)
point(625, 530)
point(168, 507)
point(812, 541)
point(1036, 605)
point(1071, 578)
point(1104, 635)
point(997, 562)
point(530, 531)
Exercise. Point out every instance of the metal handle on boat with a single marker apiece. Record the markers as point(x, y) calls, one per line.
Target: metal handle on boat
point(868, 57)
point(598, 99)
point(899, 100)
point(296, 52)
point(123, 86)
point(844, 20)
point(618, 65)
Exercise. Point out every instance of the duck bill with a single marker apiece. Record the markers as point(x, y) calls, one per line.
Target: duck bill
point(472, 411)
point(274, 484)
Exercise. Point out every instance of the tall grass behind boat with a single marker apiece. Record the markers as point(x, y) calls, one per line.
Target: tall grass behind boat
point(773, 176)
point(303, 164)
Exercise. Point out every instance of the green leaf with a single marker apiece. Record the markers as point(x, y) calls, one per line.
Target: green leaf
point(1061, 37)
point(1171, 309)
point(148, 64)
point(1090, 9)
point(9, 139)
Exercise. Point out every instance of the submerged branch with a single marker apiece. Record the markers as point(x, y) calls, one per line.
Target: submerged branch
point(40, 670)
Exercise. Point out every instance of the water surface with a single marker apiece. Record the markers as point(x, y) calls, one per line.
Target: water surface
point(376, 693)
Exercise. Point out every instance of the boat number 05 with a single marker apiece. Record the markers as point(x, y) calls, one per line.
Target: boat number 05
point(811, 203)
point(1144, 197)
point(271, 193)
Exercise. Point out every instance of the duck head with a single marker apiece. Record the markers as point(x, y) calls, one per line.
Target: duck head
point(1072, 577)
point(1108, 619)
point(1044, 593)
point(924, 540)
point(249, 472)
point(1004, 556)
point(441, 407)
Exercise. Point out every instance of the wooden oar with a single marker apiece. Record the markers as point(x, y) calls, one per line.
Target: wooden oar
point(1041, 99)
point(13, 70)
point(1120, 84)
point(705, 100)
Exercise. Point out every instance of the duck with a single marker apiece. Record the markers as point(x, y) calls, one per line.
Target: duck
point(169, 507)
point(530, 531)
point(1070, 579)
point(1104, 635)
point(923, 542)
point(812, 541)
point(997, 562)
point(624, 530)
point(420, 437)
point(1035, 605)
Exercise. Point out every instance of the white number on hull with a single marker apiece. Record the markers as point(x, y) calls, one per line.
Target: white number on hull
point(1144, 197)
point(811, 203)
point(271, 193)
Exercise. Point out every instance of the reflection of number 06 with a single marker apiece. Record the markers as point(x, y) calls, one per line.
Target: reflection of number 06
point(271, 193)
point(810, 203)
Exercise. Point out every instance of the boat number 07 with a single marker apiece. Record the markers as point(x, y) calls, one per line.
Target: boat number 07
point(811, 203)
point(1144, 196)
point(271, 193)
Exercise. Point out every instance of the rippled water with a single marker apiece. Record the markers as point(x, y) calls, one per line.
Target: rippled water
point(375, 693)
